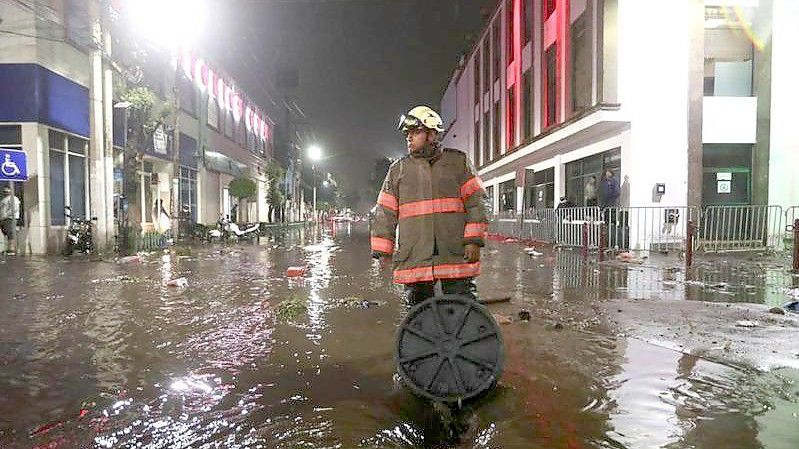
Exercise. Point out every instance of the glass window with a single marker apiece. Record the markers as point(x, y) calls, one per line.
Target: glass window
point(10, 135)
point(213, 113)
point(486, 64)
point(486, 140)
point(497, 51)
point(580, 172)
point(509, 30)
point(77, 186)
point(187, 95)
point(527, 21)
point(527, 106)
point(476, 78)
point(511, 111)
point(57, 183)
point(581, 65)
point(476, 144)
point(495, 132)
point(56, 140)
point(77, 145)
point(188, 190)
point(549, 8)
point(490, 200)
point(507, 196)
point(551, 85)
point(729, 53)
point(229, 125)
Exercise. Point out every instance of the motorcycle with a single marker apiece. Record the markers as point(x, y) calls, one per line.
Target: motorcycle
point(229, 231)
point(79, 234)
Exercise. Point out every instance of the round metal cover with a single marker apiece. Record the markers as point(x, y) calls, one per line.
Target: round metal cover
point(449, 348)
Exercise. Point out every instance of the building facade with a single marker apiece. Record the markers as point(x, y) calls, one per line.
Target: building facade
point(685, 102)
point(60, 103)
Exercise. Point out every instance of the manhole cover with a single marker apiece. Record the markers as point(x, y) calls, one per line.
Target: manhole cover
point(449, 348)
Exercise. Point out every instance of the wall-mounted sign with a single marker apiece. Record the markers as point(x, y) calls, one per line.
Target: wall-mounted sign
point(724, 176)
point(724, 186)
point(227, 97)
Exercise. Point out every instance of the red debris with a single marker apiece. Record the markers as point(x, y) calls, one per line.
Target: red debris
point(295, 271)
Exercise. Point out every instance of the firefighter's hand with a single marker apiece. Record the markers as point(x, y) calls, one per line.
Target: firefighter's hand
point(471, 252)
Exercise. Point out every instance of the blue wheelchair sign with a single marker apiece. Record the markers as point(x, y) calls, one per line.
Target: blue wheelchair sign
point(13, 165)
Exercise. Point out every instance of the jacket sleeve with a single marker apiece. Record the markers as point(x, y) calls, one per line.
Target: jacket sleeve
point(384, 221)
point(473, 195)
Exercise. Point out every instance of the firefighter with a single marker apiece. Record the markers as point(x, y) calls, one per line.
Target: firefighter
point(430, 215)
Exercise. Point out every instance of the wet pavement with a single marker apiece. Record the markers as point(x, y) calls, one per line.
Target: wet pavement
point(99, 354)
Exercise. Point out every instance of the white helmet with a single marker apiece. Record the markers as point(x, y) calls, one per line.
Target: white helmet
point(421, 116)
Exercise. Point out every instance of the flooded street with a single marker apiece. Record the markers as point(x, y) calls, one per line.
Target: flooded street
point(99, 354)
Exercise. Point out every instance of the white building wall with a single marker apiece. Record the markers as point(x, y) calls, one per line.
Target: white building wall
point(784, 146)
point(653, 86)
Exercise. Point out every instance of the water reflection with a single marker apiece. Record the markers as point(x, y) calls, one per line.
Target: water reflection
point(105, 355)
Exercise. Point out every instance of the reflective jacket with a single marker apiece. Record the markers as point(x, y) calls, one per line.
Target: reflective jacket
point(427, 210)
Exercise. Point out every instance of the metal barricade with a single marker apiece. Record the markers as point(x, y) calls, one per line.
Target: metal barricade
point(508, 224)
point(570, 230)
point(539, 225)
point(652, 228)
point(740, 228)
point(791, 214)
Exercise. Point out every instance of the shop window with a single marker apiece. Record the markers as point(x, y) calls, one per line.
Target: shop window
point(581, 65)
point(729, 52)
point(550, 61)
point(188, 190)
point(68, 176)
point(539, 192)
point(580, 173)
point(527, 106)
point(490, 200)
point(507, 196)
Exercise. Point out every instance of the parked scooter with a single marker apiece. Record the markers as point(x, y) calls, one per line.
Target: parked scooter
point(79, 234)
point(229, 231)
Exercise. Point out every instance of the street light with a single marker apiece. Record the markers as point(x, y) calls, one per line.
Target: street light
point(314, 154)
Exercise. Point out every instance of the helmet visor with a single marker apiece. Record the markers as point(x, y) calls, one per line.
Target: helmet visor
point(407, 123)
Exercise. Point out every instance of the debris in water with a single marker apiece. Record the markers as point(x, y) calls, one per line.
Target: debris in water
point(295, 271)
point(777, 310)
point(524, 315)
point(502, 319)
point(179, 282)
point(747, 323)
point(130, 259)
point(290, 309)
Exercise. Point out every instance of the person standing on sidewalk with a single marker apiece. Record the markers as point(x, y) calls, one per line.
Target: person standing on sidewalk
point(9, 214)
point(435, 198)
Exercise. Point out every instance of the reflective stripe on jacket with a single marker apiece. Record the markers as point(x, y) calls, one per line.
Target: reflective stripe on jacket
point(428, 209)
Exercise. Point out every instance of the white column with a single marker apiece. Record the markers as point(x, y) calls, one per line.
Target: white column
point(783, 189)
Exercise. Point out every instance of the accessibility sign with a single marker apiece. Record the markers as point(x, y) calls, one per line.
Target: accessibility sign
point(13, 165)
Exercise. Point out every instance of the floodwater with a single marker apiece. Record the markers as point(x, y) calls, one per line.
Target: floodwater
point(96, 354)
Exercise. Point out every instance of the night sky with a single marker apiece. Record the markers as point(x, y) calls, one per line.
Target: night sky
point(362, 63)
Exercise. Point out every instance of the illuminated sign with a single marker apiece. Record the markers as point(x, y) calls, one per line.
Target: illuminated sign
point(225, 93)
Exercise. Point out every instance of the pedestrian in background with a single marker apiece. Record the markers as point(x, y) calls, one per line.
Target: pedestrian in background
point(590, 192)
point(609, 191)
point(9, 214)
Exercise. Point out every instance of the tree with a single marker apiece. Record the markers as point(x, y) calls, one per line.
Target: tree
point(274, 194)
point(243, 188)
point(145, 114)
